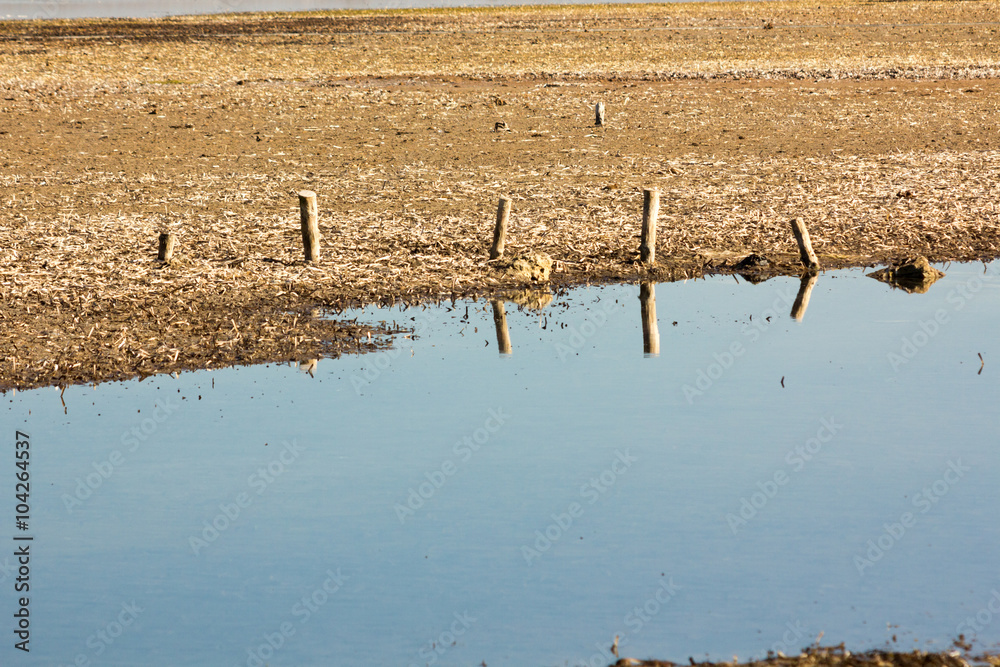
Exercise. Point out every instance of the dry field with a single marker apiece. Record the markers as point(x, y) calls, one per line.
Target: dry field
point(876, 123)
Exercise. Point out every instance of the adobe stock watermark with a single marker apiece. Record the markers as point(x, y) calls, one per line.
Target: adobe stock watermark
point(706, 377)
point(258, 481)
point(130, 441)
point(227, 5)
point(382, 360)
point(591, 491)
point(45, 9)
point(790, 642)
point(635, 620)
point(302, 611)
point(7, 569)
point(796, 459)
point(958, 298)
point(464, 450)
point(923, 501)
point(105, 637)
point(578, 336)
point(982, 618)
point(435, 648)
point(928, 329)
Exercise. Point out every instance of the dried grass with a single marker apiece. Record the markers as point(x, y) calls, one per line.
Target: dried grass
point(229, 119)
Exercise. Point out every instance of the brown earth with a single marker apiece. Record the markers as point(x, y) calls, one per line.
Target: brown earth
point(839, 656)
point(876, 123)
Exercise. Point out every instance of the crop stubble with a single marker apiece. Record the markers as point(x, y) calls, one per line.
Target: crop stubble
point(875, 123)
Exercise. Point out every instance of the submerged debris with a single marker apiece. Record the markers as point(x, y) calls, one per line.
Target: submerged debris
point(912, 275)
point(752, 261)
point(755, 268)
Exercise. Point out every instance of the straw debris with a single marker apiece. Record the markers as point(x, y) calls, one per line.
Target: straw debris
point(117, 131)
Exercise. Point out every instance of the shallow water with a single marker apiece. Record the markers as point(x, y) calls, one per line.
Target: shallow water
point(71, 9)
point(442, 503)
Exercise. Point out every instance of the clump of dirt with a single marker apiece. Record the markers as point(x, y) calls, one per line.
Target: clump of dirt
point(910, 275)
point(529, 268)
point(752, 261)
point(207, 127)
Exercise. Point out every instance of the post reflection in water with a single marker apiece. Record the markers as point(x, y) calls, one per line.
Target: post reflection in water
point(500, 321)
point(569, 407)
point(802, 299)
point(650, 329)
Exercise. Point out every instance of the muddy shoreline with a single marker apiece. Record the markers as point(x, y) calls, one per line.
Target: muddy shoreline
point(873, 122)
point(840, 656)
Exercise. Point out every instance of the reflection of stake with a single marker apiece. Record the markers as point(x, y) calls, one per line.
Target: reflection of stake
point(650, 329)
point(500, 320)
point(802, 300)
point(308, 366)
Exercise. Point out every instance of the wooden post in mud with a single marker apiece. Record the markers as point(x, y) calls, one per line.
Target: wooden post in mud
point(806, 253)
point(599, 113)
point(500, 230)
point(647, 242)
point(310, 224)
point(500, 322)
point(166, 250)
point(650, 328)
point(809, 279)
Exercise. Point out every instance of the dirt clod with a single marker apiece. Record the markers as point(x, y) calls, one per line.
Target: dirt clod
point(911, 275)
point(115, 131)
point(531, 267)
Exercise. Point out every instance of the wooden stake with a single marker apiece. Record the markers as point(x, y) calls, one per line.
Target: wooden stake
point(650, 210)
point(166, 250)
point(500, 322)
point(599, 113)
point(650, 327)
point(805, 247)
point(500, 230)
point(809, 279)
point(310, 224)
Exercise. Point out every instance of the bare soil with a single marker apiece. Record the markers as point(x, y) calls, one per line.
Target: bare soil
point(876, 123)
point(839, 656)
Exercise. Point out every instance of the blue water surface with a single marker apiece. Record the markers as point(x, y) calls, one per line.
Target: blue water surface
point(71, 9)
point(759, 481)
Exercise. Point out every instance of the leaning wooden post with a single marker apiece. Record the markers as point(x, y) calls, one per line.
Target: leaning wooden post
point(500, 231)
point(500, 322)
point(599, 113)
point(650, 328)
point(806, 253)
point(310, 224)
point(809, 279)
point(650, 209)
point(166, 250)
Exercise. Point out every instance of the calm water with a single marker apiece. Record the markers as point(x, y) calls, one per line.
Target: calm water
point(63, 9)
point(444, 504)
